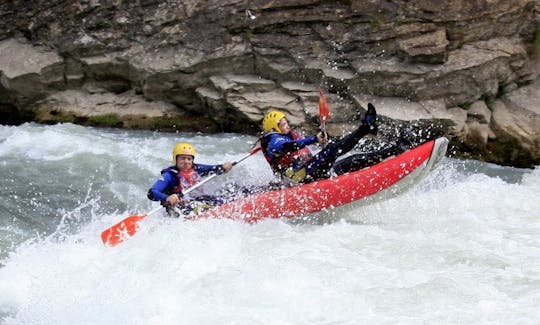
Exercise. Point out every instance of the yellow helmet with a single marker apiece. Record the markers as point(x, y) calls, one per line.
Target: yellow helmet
point(271, 121)
point(183, 148)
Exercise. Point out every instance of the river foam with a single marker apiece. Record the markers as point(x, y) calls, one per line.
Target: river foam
point(463, 246)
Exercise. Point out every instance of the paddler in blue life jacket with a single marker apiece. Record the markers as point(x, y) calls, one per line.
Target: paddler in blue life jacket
point(287, 151)
point(182, 175)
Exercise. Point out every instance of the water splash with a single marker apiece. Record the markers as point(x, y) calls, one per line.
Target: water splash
point(461, 247)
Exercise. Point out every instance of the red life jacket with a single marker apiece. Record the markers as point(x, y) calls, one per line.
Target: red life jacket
point(186, 179)
point(281, 162)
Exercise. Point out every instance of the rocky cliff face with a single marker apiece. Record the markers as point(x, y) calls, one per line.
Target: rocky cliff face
point(464, 68)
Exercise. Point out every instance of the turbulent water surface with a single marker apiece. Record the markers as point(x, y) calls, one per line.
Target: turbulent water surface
point(462, 247)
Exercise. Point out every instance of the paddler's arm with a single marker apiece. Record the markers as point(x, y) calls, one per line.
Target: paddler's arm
point(204, 170)
point(157, 191)
point(292, 146)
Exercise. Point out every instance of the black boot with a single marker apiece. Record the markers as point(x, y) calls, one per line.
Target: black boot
point(370, 119)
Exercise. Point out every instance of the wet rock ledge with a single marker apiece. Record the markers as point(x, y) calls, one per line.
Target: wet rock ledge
point(465, 69)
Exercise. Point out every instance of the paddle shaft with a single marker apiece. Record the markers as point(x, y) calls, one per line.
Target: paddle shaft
point(252, 152)
point(207, 179)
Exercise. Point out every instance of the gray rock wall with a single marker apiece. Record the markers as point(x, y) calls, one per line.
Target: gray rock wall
point(467, 69)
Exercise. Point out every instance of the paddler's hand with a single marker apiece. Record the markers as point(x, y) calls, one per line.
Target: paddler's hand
point(227, 166)
point(322, 138)
point(173, 199)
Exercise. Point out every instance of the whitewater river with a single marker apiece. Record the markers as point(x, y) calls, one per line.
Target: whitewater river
point(462, 247)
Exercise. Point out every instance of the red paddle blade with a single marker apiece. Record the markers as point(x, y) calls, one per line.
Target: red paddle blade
point(121, 231)
point(255, 150)
point(324, 111)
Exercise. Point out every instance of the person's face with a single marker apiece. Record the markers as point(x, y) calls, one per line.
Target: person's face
point(283, 126)
point(184, 162)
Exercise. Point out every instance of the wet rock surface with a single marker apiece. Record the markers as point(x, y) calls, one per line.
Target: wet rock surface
point(468, 70)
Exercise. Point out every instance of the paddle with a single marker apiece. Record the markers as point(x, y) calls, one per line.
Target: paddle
point(126, 228)
point(324, 111)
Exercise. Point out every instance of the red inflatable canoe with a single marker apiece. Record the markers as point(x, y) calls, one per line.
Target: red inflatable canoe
point(382, 180)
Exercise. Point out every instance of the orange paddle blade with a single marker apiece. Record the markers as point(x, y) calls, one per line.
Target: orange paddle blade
point(121, 231)
point(324, 111)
